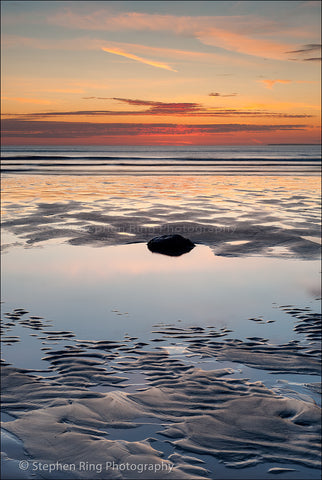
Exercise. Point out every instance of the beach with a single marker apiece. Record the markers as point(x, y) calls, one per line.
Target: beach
point(123, 363)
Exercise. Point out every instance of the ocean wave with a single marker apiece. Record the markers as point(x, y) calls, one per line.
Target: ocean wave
point(153, 159)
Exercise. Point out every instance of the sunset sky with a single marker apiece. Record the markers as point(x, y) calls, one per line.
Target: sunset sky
point(160, 72)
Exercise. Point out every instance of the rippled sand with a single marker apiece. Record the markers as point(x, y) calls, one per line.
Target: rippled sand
point(61, 418)
point(234, 216)
point(190, 400)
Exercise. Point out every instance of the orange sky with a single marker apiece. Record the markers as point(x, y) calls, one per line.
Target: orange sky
point(149, 73)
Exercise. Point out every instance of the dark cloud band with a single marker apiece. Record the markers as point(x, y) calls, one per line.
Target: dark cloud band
point(52, 129)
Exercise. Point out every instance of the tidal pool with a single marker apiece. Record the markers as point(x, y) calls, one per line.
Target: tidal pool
point(105, 292)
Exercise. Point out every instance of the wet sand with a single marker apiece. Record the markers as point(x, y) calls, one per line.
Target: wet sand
point(237, 216)
point(61, 417)
point(177, 403)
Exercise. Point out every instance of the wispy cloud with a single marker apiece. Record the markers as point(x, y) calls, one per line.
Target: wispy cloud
point(237, 33)
point(227, 34)
point(216, 94)
point(87, 43)
point(308, 49)
point(312, 59)
point(107, 20)
point(164, 108)
point(243, 43)
point(270, 83)
point(156, 109)
point(96, 98)
point(138, 59)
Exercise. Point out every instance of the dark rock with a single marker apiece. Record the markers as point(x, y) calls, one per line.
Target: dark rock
point(173, 245)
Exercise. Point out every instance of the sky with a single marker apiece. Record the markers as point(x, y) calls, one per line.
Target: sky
point(160, 72)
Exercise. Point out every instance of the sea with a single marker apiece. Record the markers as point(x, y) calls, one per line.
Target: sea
point(163, 160)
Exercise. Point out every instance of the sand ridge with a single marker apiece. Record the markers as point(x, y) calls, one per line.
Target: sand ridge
point(242, 423)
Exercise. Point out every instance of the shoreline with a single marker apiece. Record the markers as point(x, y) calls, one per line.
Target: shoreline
point(179, 394)
point(215, 211)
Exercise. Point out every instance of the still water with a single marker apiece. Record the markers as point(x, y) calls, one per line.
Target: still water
point(106, 292)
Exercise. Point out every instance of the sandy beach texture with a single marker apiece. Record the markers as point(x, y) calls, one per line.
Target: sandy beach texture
point(233, 215)
point(239, 422)
point(167, 407)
